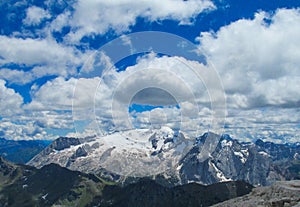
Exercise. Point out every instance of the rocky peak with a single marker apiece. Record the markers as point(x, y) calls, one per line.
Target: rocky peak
point(64, 142)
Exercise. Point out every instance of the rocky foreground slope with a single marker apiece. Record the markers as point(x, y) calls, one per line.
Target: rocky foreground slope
point(284, 193)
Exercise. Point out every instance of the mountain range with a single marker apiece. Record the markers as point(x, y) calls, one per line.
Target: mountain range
point(21, 151)
point(157, 167)
point(173, 158)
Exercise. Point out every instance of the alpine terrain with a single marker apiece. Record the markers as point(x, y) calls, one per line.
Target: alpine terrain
point(162, 154)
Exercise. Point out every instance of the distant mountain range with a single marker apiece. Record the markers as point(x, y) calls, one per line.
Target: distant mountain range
point(21, 151)
point(172, 159)
point(52, 185)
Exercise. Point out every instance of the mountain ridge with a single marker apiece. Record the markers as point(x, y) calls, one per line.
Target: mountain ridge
point(259, 163)
point(21, 151)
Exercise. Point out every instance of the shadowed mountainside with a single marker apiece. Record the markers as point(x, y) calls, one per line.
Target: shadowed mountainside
point(54, 185)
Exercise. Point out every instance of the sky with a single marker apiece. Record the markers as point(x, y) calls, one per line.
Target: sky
point(78, 68)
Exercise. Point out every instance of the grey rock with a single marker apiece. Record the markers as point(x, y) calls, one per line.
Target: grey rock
point(281, 194)
point(260, 163)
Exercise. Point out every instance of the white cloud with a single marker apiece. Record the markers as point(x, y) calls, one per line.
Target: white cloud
point(26, 131)
point(43, 56)
point(58, 94)
point(107, 100)
point(97, 17)
point(157, 117)
point(175, 75)
point(13, 76)
point(47, 119)
point(35, 52)
point(258, 60)
point(266, 123)
point(283, 91)
point(176, 118)
point(11, 101)
point(35, 15)
point(60, 21)
point(33, 124)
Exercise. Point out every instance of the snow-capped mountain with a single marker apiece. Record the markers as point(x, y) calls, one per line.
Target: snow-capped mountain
point(162, 152)
point(137, 153)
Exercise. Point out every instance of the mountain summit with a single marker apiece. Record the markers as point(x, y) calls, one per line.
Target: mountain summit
point(137, 153)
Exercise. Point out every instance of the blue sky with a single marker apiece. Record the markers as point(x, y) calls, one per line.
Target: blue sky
point(56, 80)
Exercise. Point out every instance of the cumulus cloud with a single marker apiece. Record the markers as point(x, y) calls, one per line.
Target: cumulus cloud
point(258, 59)
point(176, 118)
point(153, 96)
point(92, 102)
point(97, 17)
point(174, 75)
point(34, 52)
point(33, 124)
point(157, 81)
point(157, 117)
point(27, 131)
point(44, 56)
point(13, 76)
point(11, 101)
point(35, 15)
point(62, 94)
point(164, 81)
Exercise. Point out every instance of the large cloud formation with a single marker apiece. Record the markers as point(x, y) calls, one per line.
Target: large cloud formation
point(258, 60)
point(32, 52)
point(42, 56)
point(94, 98)
point(97, 17)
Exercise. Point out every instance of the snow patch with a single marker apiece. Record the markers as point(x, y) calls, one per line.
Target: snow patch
point(241, 156)
point(44, 196)
point(264, 153)
point(179, 167)
point(226, 143)
point(219, 173)
point(245, 152)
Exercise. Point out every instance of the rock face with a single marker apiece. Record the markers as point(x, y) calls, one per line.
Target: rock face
point(162, 153)
point(284, 193)
point(260, 163)
point(63, 143)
